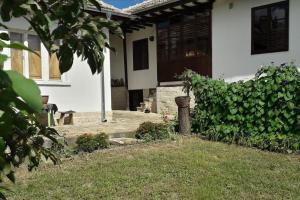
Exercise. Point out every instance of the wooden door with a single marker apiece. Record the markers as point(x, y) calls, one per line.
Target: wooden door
point(135, 99)
point(35, 63)
point(16, 55)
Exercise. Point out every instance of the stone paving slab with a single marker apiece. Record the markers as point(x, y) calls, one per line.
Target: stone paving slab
point(123, 125)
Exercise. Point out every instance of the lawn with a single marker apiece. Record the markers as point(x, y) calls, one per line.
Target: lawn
point(188, 168)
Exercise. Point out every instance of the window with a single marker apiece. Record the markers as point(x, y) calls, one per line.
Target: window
point(40, 65)
point(35, 62)
point(54, 73)
point(270, 28)
point(140, 55)
point(16, 55)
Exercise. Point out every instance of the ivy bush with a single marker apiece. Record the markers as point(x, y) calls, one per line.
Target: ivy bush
point(149, 131)
point(90, 143)
point(263, 112)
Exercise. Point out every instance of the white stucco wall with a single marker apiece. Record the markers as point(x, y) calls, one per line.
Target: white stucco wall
point(79, 90)
point(82, 94)
point(117, 58)
point(142, 79)
point(231, 39)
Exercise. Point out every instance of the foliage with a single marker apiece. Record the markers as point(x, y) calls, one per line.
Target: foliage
point(263, 112)
point(149, 131)
point(69, 21)
point(186, 77)
point(90, 143)
point(22, 136)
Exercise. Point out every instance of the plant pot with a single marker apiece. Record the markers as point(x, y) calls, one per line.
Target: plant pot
point(183, 101)
point(45, 99)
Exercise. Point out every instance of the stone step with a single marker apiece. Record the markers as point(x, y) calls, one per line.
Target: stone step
point(140, 109)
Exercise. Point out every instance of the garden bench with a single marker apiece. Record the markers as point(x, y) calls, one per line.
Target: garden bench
point(63, 115)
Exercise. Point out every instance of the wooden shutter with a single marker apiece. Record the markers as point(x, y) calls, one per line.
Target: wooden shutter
point(189, 45)
point(54, 73)
point(35, 63)
point(188, 36)
point(16, 55)
point(202, 29)
point(175, 47)
point(163, 44)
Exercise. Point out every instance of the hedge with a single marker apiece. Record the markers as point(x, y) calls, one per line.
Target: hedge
point(263, 112)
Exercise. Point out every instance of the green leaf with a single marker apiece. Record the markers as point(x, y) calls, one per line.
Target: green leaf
point(4, 36)
point(27, 89)
point(16, 45)
point(65, 55)
point(2, 145)
point(96, 4)
point(3, 58)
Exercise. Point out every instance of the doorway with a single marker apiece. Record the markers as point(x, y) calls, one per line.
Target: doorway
point(135, 99)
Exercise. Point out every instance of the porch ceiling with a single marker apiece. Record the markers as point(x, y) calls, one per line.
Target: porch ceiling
point(150, 12)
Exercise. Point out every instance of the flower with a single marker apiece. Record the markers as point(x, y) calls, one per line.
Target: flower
point(284, 83)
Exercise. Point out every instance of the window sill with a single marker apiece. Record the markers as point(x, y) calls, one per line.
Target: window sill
point(268, 52)
point(53, 83)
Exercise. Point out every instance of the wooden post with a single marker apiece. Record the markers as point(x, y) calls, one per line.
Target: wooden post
point(183, 104)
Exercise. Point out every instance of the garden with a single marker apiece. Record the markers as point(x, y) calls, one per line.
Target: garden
point(245, 142)
point(262, 113)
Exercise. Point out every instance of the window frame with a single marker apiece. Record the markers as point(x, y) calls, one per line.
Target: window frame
point(287, 31)
point(45, 65)
point(139, 68)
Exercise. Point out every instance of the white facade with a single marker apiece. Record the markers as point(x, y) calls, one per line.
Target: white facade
point(142, 79)
point(117, 58)
point(78, 89)
point(232, 60)
point(231, 39)
point(231, 44)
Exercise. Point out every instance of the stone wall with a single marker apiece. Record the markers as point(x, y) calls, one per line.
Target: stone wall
point(166, 99)
point(85, 118)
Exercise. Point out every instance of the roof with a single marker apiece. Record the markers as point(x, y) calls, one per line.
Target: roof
point(105, 7)
point(140, 7)
point(150, 4)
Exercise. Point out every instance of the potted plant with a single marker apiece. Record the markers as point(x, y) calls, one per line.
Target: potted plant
point(183, 103)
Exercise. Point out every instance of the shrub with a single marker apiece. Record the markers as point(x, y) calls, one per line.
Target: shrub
point(149, 131)
point(90, 143)
point(263, 112)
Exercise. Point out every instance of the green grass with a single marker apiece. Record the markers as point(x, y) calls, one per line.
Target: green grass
point(188, 168)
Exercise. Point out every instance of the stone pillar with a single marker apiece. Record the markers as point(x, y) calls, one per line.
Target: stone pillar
point(183, 104)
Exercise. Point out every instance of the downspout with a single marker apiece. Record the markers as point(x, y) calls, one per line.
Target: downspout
point(103, 109)
point(125, 59)
point(103, 116)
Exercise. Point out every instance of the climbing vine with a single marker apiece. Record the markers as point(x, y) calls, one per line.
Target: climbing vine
point(263, 112)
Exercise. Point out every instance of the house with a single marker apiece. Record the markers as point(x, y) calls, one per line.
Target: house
point(227, 39)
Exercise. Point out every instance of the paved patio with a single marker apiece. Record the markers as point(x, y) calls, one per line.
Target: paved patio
point(123, 125)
